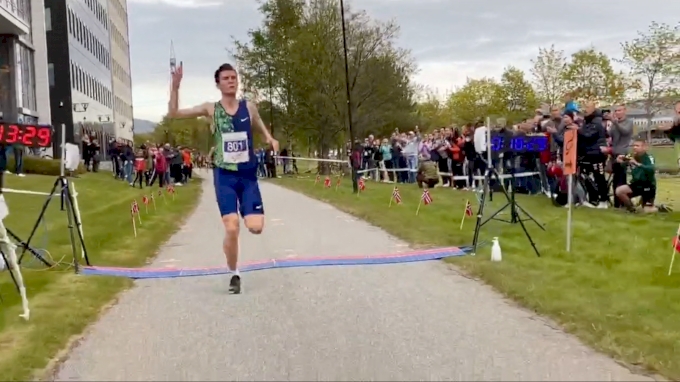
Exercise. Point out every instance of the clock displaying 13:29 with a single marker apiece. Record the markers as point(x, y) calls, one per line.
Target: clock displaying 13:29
point(27, 135)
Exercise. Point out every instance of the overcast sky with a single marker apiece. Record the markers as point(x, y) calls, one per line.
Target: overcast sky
point(450, 39)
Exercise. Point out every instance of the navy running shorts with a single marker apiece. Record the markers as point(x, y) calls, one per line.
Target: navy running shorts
point(237, 192)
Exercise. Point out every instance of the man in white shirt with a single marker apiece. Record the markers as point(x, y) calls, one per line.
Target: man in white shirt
point(479, 139)
point(410, 152)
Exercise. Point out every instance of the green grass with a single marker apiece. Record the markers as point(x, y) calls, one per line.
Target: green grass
point(665, 157)
point(62, 303)
point(612, 290)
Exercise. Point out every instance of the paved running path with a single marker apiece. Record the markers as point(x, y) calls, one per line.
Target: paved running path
point(418, 321)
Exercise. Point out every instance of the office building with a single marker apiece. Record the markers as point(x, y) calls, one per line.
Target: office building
point(24, 90)
point(120, 70)
point(81, 38)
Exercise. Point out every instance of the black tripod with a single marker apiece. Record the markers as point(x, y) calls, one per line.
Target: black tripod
point(60, 187)
point(515, 209)
point(8, 265)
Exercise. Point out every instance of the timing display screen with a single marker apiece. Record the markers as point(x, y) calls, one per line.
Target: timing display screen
point(27, 135)
point(519, 143)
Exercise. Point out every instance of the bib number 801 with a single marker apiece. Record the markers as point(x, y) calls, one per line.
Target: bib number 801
point(234, 146)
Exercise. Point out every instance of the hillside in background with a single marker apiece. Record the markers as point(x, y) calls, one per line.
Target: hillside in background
point(143, 126)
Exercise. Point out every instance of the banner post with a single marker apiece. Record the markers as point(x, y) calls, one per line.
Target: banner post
point(569, 162)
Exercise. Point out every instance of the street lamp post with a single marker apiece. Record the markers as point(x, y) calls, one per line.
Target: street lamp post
point(271, 104)
point(355, 185)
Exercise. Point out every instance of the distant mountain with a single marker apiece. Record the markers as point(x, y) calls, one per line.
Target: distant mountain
point(143, 126)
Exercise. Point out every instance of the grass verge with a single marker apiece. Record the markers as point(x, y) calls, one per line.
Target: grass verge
point(612, 290)
point(63, 303)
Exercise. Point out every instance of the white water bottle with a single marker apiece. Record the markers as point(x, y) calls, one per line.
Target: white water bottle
point(496, 254)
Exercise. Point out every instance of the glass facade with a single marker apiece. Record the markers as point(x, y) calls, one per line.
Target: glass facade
point(20, 8)
point(6, 87)
point(26, 77)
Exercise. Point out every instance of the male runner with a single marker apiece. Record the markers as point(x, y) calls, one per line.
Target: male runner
point(235, 163)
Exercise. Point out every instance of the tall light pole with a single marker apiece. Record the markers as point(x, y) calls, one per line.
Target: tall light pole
point(355, 185)
point(271, 104)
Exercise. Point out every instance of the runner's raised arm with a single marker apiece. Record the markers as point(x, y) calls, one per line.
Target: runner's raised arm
point(174, 111)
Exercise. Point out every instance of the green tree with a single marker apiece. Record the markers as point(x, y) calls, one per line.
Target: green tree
point(475, 101)
point(548, 75)
point(141, 138)
point(515, 98)
point(590, 77)
point(298, 53)
point(653, 59)
point(431, 111)
point(194, 133)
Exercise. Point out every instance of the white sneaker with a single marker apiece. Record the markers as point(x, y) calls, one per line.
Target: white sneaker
point(178, 184)
point(21, 175)
point(588, 204)
point(603, 205)
point(8, 172)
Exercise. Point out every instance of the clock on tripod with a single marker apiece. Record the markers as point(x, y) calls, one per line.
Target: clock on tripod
point(502, 143)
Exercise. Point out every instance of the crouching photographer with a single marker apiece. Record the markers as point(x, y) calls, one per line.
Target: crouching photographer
point(643, 178)
point(427, 172)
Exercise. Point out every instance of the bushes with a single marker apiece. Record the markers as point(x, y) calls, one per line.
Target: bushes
point(669, 171)
point(40, 166)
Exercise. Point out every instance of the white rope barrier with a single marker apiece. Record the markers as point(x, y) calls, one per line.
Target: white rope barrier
point(26, 192)
point(395, 170)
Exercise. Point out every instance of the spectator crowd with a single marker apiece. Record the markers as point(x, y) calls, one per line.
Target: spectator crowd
point(612, 164)
point(145, 165)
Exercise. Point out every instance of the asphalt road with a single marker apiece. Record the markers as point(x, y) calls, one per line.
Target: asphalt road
point(418, 321)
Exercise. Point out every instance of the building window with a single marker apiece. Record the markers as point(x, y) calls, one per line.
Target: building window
point(26, 64)
point(6, 68)
point(50, 74)
point(48, 19)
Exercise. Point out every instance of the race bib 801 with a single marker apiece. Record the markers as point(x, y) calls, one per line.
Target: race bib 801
point(235, 147)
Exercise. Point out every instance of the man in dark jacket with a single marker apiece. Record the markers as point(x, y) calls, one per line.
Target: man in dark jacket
point(592, 138)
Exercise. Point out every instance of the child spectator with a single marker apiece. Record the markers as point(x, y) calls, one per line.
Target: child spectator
point(161, 167)
point(140, 168)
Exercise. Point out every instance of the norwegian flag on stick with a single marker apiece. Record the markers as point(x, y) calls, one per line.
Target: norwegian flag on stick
point(145, 202)
point(135, 211)
point(396, 196)
point(337, 182)
point(676, 249)
point(153, 201)
point(171, 191)
point(318, 178)
point(425, 199)
point(327, 182)
point(467, 214)
point(362, 186)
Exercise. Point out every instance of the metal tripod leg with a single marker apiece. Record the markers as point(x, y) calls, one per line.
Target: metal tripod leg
point(57, 183)
point(533, 219)
point(10, 270)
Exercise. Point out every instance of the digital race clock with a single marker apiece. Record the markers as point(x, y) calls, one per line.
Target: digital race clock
point(27, 135)
point(519, 142)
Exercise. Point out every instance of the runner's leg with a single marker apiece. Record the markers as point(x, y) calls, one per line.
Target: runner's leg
point(252, 208)
point(227, 191)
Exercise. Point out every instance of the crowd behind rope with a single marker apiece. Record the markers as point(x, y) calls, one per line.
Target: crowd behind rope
point(608, 172)
point(147, 164)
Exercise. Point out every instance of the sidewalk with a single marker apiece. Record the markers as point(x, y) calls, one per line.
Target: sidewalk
point(418, 321)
